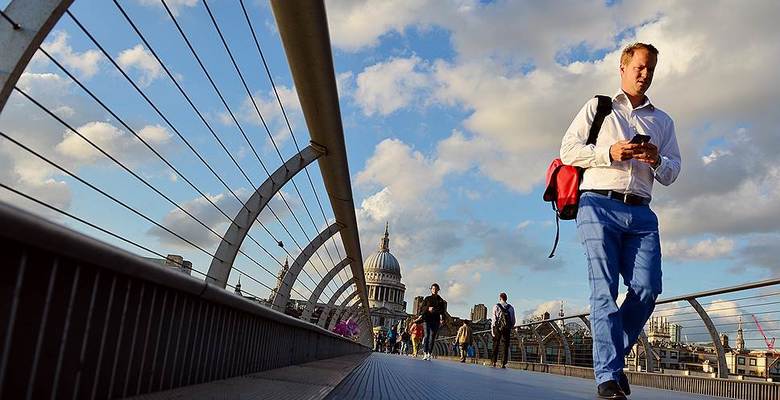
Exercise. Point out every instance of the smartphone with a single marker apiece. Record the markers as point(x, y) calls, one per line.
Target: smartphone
point(639, 139)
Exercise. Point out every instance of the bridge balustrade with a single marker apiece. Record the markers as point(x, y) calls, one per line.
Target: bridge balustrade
point(87, 319)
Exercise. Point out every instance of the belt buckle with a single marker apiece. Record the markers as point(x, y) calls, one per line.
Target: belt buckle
point(625, 198)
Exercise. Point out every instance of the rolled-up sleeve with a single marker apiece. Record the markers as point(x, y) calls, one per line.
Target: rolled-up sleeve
point(669, 168)
point(574, 150)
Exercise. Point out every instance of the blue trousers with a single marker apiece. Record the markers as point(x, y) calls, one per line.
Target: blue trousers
point(620, 240)
point(431, 330)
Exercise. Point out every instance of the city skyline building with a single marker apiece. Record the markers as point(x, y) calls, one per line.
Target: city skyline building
point(478, 312)
point(417, 303)
point(383, 282)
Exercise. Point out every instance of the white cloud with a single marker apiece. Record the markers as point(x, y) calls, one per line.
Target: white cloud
point(112, 140)
point(142, 60)
point(707, 249)
point(86, 63)
point(406, 173)
point(356, 24)
point(520, 91)
point(268, 107)
point(187, 227)
point(386, 87)
point(175, 5)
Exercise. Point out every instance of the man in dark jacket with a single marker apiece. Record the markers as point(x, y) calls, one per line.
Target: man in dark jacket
point(502, 324)
point(432, 311)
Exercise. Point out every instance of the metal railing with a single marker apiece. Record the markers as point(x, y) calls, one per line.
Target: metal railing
point(723, 335)
point(305, 288)
point(82, 319)
point(86, 319)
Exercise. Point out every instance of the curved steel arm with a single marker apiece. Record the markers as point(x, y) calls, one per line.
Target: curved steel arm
point(485, 347)
point(35, 19)
point(219, 271)
point(350, 312)
point(303, 28)
point(540, 343)
point(315, 295)
point(332, 301)
point(281, 296)
point(343, 313)
point(650, 356)
point(723, 369)
point(521, 344)
point(564, 342)
point(585, 321)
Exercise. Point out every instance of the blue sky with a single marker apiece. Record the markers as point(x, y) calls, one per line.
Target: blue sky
point(451, 114)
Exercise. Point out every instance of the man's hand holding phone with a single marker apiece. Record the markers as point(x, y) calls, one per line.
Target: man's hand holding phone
point(639, 139)
point(638, 148)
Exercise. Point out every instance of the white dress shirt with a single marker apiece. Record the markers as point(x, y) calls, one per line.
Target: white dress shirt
point(630, 176)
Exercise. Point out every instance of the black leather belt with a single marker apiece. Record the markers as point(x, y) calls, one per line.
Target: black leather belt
point(627, 198)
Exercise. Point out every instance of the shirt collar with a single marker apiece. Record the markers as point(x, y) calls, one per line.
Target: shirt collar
point(621, 97)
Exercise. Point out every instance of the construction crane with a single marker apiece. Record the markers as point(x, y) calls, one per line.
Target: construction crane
point(770, 344)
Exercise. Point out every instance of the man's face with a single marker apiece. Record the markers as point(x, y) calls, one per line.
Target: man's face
point(434, 290)
point(637, 75)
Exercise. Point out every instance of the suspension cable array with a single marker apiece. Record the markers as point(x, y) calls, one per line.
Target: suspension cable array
point(335, 280)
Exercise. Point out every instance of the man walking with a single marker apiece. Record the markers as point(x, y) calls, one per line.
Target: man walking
point(464, 339)
point(502, 324)
point(433, 309)
point(614, 221)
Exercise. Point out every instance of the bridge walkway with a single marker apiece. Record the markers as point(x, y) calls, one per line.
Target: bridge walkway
point(385, 376)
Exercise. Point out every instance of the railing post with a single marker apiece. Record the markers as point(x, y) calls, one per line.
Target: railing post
point(521, 344)
point(650, 357)
point(485, 346)
point(723, 369)
point(540, 342)
point(564, 342)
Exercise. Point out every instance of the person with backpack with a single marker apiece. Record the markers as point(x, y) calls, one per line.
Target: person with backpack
point(502, 324)
point(624, 144)
point(433, 310)
point(392, 337)
point(463, 339)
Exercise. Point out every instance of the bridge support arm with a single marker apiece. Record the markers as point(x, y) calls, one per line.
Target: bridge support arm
point(343, 312)
point(279, 301)
point(315, 295)
point(650, 356)
point(723, 369)
point(540, 343)
point(35, 19)
point(564, 342)
point(220, 267)
point(332, 302)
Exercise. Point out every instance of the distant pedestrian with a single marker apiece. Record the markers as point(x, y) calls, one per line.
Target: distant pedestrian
point(417, 332)
point(433, 310)
point(464, 339)
point(406, 340)
point(636, 147)
point(392, 338)
point(502, 324)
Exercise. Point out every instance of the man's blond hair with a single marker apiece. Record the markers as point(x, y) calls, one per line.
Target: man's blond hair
point(628, 52)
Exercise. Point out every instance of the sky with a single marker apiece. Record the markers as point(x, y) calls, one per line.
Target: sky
point(452, 112)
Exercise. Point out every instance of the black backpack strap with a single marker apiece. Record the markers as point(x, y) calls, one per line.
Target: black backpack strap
point(557, 234)
point(602, 110)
